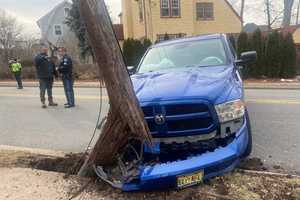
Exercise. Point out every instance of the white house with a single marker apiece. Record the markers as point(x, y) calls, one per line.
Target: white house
point(54, 31)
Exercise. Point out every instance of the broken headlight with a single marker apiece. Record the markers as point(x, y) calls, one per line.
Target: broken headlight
point(230, 111)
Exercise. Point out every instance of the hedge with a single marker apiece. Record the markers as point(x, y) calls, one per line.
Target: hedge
point(133, 50)
point(276, 54)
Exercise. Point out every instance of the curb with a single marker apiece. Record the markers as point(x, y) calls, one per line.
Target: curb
point(45, 152)
point(97, 85)
point(34, 85)
point(268, 173)
point(270, 88)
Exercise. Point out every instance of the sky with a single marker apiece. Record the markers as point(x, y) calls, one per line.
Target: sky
point(28, 12)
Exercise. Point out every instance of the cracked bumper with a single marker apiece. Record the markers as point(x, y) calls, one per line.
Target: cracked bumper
point(222, 160)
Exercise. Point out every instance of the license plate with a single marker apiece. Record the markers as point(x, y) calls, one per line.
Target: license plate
point(190, 179)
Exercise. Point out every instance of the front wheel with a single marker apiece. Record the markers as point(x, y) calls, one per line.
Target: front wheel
point(249, 145)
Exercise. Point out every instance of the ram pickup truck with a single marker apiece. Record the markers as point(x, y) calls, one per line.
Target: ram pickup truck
point(191, 93)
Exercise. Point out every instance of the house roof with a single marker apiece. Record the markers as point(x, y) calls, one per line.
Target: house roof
point(289, 29)
point(252, 27)
point(118, 28)
point(233, 10)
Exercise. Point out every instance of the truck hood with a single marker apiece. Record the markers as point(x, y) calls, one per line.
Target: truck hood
point(214, 84)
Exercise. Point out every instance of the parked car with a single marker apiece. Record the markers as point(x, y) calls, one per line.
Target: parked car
point(192, 96)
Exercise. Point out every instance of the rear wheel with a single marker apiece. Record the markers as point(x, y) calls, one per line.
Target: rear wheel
point(249, 145)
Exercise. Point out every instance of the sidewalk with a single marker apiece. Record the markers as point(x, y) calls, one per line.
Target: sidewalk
point(94, 84)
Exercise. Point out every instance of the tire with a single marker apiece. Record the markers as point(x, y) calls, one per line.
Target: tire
point(249, 145)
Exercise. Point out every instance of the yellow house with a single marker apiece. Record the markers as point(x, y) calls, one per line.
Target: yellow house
point(295, 31)
point(153, 19)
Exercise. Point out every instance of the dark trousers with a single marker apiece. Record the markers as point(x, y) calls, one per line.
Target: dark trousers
point(46, 84)
point(18, 79)
point(69, 91)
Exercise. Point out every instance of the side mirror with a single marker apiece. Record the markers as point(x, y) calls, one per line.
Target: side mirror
point(247, 57)
point(131, 70)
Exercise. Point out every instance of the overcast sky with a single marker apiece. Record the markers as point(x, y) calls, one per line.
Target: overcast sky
point(29, 11)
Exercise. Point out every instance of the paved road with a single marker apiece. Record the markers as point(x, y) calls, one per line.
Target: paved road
point(275, 118)
point(24, 123)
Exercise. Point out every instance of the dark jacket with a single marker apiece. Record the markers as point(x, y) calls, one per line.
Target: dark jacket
point(66, 67)
point(42, 66)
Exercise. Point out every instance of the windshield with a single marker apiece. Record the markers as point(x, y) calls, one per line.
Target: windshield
point(202, 53)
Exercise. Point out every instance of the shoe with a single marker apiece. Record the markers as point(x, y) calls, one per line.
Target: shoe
point(44, 106)
point(69, 106)
point(20, 88)
point(66, 104)
point(52, 104)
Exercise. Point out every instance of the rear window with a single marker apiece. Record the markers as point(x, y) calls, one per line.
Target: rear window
point(202, 53)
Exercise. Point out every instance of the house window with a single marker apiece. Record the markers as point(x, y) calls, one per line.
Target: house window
point(58, 30)
point(141, 8)
point(175, 8)
point(165, 8)
point(67, 12)
point(170, 8)
point(205, 11)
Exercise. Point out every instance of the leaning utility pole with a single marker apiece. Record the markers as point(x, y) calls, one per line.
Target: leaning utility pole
point(125, 118)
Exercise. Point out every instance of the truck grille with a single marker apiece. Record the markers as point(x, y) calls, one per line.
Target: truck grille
point(181, 119)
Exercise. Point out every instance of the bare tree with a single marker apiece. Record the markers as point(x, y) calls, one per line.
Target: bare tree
point(273, 13)
point(10, 30)
point(287, 15)
point(268, 12)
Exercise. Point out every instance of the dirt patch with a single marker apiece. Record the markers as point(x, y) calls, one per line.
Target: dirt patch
point(252, 164)
point(70, 164)
point(9, 158)
point(52, 185)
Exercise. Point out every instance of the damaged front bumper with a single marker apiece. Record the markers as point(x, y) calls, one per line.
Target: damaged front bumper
point(211, 164)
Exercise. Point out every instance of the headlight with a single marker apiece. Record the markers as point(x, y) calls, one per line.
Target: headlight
point(230, 111)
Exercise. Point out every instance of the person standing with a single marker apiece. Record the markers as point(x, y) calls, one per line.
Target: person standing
point(16, 69)
point(65, 68)
point(45, 72)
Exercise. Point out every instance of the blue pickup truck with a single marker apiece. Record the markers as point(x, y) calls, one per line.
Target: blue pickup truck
point(191, 93)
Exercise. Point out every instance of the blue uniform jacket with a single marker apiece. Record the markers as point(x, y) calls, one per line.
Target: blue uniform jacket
point(66, 67)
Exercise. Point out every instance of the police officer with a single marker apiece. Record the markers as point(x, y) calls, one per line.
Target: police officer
point(65, 68)
point(46, 71)
point(16, 69)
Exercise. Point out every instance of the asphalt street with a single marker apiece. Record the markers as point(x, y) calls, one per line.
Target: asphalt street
point(275, 116)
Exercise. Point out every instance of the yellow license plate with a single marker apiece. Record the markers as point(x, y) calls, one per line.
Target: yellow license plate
point(190, 179)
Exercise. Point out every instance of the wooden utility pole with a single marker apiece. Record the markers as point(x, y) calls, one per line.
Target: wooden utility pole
point(125, 118)
point(242, 11)
point(298, 9)
point(287, 14)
